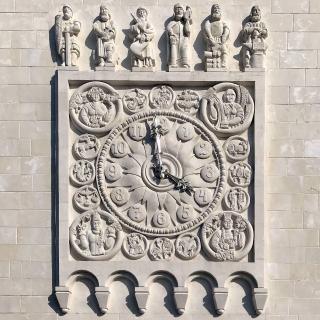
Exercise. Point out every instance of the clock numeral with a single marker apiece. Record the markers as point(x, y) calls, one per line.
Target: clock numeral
point(185, 213)
point(202, 197)
point(113, 172)
point(203, 150)
point(137, 131)
point(161, 219)
point(119, 196)
point(209, 173)
point(185, 132)
point(137, 213)
point(119, 149)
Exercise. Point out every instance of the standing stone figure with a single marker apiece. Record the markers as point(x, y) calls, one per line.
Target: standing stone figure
point(216, 33)
point(179, 37)
point(141, 49)
point(66, 32)
point(105, 32)
point(254, 47)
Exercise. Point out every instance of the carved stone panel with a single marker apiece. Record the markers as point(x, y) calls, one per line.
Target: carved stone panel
point(159, 177)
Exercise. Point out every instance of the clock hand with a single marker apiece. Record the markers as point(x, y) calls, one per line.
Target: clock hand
point(180, 183)
point(156, 132)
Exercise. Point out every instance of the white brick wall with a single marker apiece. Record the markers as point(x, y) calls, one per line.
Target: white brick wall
point(293, 155)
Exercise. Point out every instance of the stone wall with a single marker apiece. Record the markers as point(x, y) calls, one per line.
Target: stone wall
point(27, 67)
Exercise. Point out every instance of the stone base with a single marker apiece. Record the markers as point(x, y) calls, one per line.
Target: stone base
point(143, 69)
point(178, 69)
point(254, 69)
point(209, 69)
point(106, 67)
point(68, 68)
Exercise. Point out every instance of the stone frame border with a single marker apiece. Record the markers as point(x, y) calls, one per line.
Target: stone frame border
point(221, 271)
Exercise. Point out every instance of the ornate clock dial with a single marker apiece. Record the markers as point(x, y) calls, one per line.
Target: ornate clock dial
point(146, 202)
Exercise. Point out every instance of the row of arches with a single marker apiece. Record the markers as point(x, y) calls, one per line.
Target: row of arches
point(122, 293)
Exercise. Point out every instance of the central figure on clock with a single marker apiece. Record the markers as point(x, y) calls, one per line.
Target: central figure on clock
point(161, 172)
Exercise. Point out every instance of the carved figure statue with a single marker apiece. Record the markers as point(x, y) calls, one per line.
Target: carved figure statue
point(232, 112)
point(142, 33)
point(66, 32)
point(105, 32)
point(216, 33)
point(95, 241)
point(98, 111)
point(254, 34)
point(225, 235)
point(179, 37)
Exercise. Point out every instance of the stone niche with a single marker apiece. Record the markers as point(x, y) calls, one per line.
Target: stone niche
point(161, 176)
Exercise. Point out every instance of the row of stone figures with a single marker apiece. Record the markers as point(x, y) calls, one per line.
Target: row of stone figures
point(215, 33)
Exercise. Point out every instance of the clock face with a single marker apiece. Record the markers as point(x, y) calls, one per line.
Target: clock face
point(192, 178)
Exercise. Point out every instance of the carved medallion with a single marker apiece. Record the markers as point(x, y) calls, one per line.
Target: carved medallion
point(86, 147)
point(135, 245)
point(191, 183)
point(135, 100)
point(95, 107)
point(227, 236)
point(188, 246)
point(82, 172)
point(161, 249)
point(240, 174)
point(236, 148)
point(227, 109)
point(96, 235)
point(188, 102)
point(162, 97)
point(86, 198)
point(237, 199)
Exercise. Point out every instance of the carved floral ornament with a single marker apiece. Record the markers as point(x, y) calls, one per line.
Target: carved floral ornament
point(204, 162)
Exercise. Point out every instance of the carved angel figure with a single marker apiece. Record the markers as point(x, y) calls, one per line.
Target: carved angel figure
point(142, 33)
point(216, 33)
point(179, 37)
point(254, 34)
point(105, 33)
point(94, 240)
point(66, 32)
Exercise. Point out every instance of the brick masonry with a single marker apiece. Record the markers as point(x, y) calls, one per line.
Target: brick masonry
point(292, 214)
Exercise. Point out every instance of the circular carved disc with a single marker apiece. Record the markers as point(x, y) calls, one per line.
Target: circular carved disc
point(95, 107)
point(227, 236)
point(153, 206)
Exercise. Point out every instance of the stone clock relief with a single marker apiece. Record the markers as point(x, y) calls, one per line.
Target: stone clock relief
point(161, 175)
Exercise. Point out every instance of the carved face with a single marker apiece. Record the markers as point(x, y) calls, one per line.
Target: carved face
point(215, 12)
point(104, 13)
point(227, 223)
point(178, 12)
point(142, 13)
point(255, 14)
point(67, 13)
point(95, 225)
point(229, 96)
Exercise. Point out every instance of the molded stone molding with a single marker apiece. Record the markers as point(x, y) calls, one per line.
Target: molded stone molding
point(102, 294)
point(259, 296)
point(220, 296)
point(142, 295)
point(63, 294)
point(180, 295)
